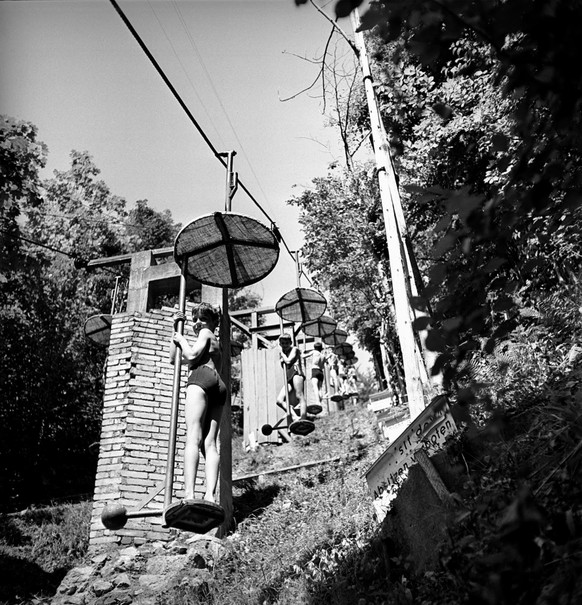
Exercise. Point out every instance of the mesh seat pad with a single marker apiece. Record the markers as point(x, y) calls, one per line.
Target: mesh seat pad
point(301, 305)
point(322, 326)
point(227, 250)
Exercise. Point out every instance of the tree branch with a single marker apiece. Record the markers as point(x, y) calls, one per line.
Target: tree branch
point(304, 90)
point(361, 143)
point(321, 74)
point(314, 61)
point(337, 28)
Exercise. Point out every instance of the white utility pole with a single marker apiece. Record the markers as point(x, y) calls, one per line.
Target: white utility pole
point(415, 373)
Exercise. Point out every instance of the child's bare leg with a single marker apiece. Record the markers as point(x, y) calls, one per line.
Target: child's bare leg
point(316, 387)
point(281, 402)
point(195, 407)
point(293, 402)
point(212, 456)
point(298, 383)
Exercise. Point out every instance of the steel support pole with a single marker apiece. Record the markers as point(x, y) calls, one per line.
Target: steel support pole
point(171, 458)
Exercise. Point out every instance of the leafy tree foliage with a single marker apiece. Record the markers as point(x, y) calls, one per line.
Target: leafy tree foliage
point(345, 253)
point(499, 154)
point(149, 228)
point(21, 158)
point(52, 376)
point(483, 100)
point(83, 220)
point(483, 111)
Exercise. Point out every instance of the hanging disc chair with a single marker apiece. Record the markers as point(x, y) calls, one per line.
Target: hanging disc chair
point(223, 250)
point(343, 348)
point(301, 305)
point(98, 328)
point(336, 337)
point(227, 250)
point(322, 326)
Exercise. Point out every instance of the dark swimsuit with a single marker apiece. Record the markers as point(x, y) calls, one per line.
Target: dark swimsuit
point(317, 373)
point(210, 382)
point(292, 372)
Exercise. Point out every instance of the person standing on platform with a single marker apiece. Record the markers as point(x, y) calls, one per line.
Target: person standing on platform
point(317, 370)
point(205, 396)
point(290, 357)
point(335, 380)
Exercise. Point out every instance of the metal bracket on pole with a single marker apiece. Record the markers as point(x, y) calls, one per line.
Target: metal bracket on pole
point(231, 178)
point(298, 268)
point(233, 186)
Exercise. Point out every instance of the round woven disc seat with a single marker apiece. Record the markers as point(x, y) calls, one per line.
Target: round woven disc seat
point(227, 250)
point(301, 305)
point(336, 337)
point(98, 328)
point(343, 348)
point(321, 326)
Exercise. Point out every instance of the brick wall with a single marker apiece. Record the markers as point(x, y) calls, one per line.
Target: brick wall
point(136, 424)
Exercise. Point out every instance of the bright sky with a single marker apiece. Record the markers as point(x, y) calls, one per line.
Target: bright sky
point(73, 68)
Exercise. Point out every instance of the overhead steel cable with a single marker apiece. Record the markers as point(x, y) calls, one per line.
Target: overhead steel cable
point(166, 80)
point(79, 261)
point(30, 241)
point(107, 220)
point(184, 106)
point(199, 128)
point(209, 78)
point(185, 71)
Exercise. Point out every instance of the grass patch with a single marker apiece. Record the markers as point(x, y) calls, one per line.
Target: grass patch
point(38, 547)
point(307, 536)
